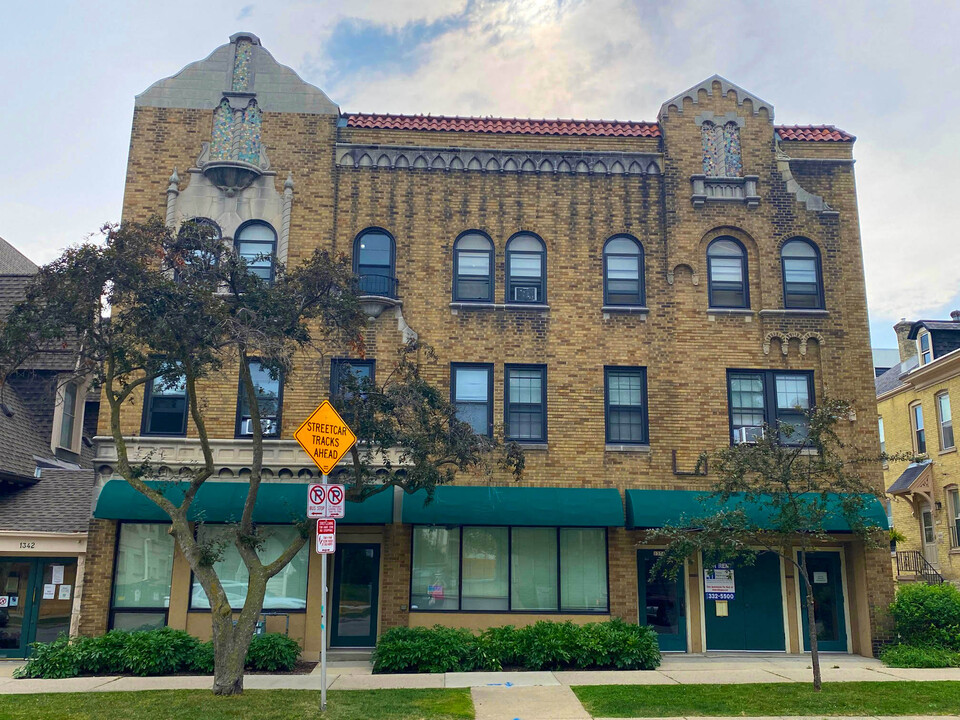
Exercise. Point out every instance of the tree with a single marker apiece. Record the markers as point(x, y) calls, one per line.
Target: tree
point(781, 494)
point(149, 306)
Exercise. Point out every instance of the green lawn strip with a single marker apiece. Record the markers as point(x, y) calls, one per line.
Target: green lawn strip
point(843, 698)
point(435, 704)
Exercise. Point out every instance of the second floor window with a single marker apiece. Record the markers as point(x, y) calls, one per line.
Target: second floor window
point(68, 416)
point(919, 435)
point(622, 271)
point(473, 268)
point(802, 286)
point(269, 396)
point(946, 421)
point(526, 270)
point(883, 440)
point(727, 274)
point(926, 350)
point(626, 390)
point(766, 397)
point(471, 390)
point(165, 406)
point(374, 262)
point(526, 403)
point(342, 369)
point(256, 243)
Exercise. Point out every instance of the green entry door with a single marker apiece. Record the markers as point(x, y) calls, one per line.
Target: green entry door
point(662, 604)
point(356, 586)
point(828, 611)
point(36, 599)
point(754, 617)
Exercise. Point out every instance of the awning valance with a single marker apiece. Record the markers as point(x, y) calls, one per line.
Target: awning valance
point(656, 508)
point(219, 502)
point(525, 506)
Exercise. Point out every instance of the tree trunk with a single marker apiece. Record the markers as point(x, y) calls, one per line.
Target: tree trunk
point(811, 625)
point(231, 641)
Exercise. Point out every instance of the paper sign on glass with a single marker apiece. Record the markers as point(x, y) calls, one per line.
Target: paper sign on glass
point(64, 593)
point(819, 578)
point(57, 574)
point(49, 591)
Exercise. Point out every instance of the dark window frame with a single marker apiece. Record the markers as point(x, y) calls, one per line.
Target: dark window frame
point(770, 415)
point(943, 422)
point(744, 270)
point(454, 366)
point(818, 266)
point(510, 282)
point(641, 262)
point(145, 414)
point(918, 434)
point(240, 391)
point(543, 401)
point(338, 364)
point(237, 240)
point(510, 610)
point(925, 354)
point(490, 277)
point(114, 611)
point(391, 283)
point(626, 370)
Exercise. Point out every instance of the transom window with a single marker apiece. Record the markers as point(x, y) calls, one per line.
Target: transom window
point(256, 243)
point(768, 398)
point(526, 403)
point(802, 284)
point(473, 268)
point(727, 274)
point(926, 349)
point(269, 388)
point(526, 269)
point(509, 569)
point(374, 262)
point(919, 434)
point(945, 419)
point(165, 406)
point(626, 412)
point(471, 391)
point(622, 271)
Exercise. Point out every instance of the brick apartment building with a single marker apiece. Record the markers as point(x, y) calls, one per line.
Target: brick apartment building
point(619, 296)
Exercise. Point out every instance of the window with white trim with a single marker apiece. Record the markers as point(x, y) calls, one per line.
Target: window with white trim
point(925, 347)
point(945, 421)
point(919, 434)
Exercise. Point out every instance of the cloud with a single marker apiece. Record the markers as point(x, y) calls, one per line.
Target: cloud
point(245, 12)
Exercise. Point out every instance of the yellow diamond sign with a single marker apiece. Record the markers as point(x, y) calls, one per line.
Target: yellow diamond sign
point(325, 437)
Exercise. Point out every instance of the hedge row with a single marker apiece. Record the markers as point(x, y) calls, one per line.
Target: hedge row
point(542, 646)
point(149, 652)
point(927, 624)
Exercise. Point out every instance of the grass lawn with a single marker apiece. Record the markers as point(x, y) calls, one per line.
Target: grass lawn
point(253, 704)
point(842, 698)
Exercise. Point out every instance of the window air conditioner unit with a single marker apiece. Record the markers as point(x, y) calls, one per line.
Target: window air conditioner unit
point(748, 435)
point(267, 425)
point(525, 294)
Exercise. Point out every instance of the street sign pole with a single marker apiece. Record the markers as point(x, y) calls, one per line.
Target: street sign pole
point(323, 629)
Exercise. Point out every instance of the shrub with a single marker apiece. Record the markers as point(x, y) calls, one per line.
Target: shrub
point(928, 615)
point(501, 643)
point(547, 645)
point(53, 660)
point(915, 656)
point(270, 653)
point(201, 662)
point(157, 652)
point(428, 650)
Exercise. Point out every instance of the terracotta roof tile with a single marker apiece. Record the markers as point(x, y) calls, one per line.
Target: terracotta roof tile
point(813, 133)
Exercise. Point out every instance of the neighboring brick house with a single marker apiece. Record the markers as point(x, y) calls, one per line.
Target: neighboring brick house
point(46, 485)
point(914, 404)
point(620, 296)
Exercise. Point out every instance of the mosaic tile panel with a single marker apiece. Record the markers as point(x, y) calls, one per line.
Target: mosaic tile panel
point(242, 62)
point(250, 134)
point(731, 150)
point(712, 138)
point(222, 132)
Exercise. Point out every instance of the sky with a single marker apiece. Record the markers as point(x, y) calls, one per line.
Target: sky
point(888, 72)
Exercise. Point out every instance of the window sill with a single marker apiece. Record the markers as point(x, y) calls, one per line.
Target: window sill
point(746, 314)
point(947, 451)
point(640, 310)
point(530, 445)
point(537, 307)
point(776, 312)
point(612, 447)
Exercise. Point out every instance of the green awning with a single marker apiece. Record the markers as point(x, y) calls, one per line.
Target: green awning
point(530, 506)
point(656, 508)
point(219, 502)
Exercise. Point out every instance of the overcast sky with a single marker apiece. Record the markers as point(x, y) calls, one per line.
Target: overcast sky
point(887, 72)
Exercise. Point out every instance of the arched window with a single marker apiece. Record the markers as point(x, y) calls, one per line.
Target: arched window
point(802, 284)
point(198, 248)
point(526, 269)
point(473, 268)
point(727, 274)
point(622, 271)
point(374, 261)
point(256, 242)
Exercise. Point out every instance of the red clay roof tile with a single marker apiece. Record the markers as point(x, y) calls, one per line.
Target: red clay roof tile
point(813, 133)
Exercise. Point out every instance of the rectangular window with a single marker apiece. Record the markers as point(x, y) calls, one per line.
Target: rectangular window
point(766, 397)
point(626, 412)
point(165, 406)
point(883, 440)
point(526, 403)
point(269, 388)
point(68, 416)
point(142, 574)
point(955, 525)
point(471, 391)
point(287, 590)
point(919, 435)
point(473, 275)
point(946, 421)
point(801, 284)
point(509, 569)
point(342, 368)
point(926, 352)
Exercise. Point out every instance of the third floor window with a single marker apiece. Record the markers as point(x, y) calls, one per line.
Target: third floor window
point(622, 271)
point(473, 268)
point(526, 269)
point(374, 262)
point(727, 274)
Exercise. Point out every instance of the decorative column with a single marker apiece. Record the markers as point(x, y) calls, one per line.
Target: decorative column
point(173, 190)
point(284, 239)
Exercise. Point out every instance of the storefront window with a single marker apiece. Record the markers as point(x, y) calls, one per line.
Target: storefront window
point(534, 558)
point(583, 569)
point(485, 561)
point(436, 569)
point(287, 590)
point(144, 567)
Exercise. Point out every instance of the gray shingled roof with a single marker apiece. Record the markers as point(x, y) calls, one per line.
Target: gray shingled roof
point(14, 262)
point(908, 477)
point(61, 501)
point(890, 380)
point(933, 325)
point(20, 442)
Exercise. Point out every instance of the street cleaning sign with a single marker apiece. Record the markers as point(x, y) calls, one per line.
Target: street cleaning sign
point(718, 583)
point(325, 437)
point(326, 537)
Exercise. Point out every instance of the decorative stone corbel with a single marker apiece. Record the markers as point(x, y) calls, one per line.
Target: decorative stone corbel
point(173, 191)
point(284, 240)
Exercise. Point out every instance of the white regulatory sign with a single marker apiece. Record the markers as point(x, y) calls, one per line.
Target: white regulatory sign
point(326, 536)
point(325, 501)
